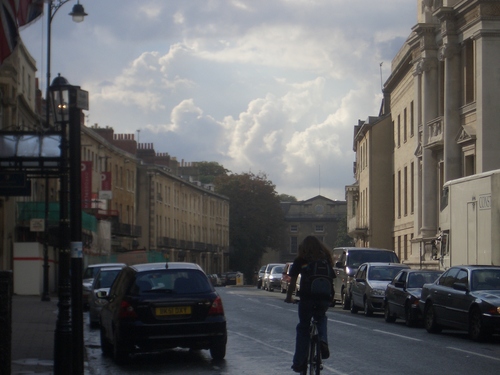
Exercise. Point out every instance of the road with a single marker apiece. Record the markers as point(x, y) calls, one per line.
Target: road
point(261, 339)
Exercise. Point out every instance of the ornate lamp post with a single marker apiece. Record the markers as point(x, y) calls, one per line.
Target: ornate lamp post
point(67, 102)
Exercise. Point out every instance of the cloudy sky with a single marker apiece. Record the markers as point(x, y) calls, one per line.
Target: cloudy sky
point(272, 86)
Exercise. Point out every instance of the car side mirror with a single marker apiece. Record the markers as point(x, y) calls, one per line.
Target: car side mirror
point(460, 286)
point(102, 294)
point(400, 284)
point(339, 264)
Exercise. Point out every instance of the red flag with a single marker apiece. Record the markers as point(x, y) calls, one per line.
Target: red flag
point(8, 28)
point(28, 11)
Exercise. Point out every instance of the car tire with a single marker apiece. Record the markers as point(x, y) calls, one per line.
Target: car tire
point(106, 346)
point(366, 308)
point(430, 320)
point(218, 348)
point(410, 316)
point(354, 308)
point(388, 317)
point(477, 329)
point(346, 301)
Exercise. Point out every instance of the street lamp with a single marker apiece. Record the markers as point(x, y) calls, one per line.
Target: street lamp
point(67, 102)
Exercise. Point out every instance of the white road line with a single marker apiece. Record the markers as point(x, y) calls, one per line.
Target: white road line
point(341, 322)
point(394, 334)
point(333, 371)
point(472, 353)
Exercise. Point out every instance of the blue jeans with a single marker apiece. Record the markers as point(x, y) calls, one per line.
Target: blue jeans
point(308, 309)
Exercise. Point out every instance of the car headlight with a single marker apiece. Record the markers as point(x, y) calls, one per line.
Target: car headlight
point(378, 292)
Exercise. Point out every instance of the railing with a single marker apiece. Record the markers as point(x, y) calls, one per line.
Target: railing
point(435, 130)
point(126, 230)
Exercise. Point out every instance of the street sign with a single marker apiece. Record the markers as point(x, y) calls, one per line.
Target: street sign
point(82, 99)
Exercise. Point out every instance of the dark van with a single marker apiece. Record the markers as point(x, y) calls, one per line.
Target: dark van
point(347, 260)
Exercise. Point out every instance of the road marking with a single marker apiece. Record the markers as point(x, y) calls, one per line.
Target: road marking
point(333, 371)
point(394, 334)
point(341, 322)
point(472, 353)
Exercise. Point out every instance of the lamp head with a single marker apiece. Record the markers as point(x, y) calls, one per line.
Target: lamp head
point(78, 13)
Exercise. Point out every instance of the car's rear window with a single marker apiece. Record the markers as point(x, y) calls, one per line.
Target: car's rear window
point(171, 281)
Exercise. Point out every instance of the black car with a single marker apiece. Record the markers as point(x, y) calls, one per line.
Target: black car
point(402, 295)
point(158, 306)
point(466, 298)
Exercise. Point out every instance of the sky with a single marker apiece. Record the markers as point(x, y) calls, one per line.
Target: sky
point(260, 86)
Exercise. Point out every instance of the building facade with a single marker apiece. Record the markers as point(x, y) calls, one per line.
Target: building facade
point(440, 96)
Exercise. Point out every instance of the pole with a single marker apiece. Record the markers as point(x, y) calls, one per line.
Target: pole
point(76, 234)
point(63, 334)
point(45, 294)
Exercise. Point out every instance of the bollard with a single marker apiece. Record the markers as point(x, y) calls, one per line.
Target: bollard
point(5, 322)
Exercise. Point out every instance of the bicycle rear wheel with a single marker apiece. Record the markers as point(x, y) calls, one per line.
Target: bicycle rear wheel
point(314, 357)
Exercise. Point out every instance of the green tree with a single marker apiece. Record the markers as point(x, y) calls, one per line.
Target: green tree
point(287, 198)
point(343, 238)
point(209, 170)
point(255, 216)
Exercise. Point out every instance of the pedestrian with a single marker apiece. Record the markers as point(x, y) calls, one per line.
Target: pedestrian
point(310, 250)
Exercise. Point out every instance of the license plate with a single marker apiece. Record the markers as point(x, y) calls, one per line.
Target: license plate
point(173, 311)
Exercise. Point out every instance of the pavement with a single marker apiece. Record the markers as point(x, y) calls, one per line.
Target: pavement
point(33, 333)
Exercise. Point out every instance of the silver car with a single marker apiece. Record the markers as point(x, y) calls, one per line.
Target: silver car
point(370, 282)
point(88, 278)
point(100, 289)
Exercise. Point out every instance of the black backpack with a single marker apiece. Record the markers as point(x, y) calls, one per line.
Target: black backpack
point(317, 280)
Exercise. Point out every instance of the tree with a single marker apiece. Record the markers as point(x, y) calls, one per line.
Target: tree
point(255, 216)
point(209, 170)
point(287, 198)
point(343, 238)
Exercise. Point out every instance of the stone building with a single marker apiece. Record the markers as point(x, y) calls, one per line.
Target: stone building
point(440, 96)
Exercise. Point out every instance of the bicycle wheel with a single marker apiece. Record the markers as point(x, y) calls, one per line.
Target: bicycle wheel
point(314, 356)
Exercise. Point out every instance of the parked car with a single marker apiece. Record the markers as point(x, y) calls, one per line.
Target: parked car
point(231, 278)
point(370, 282)
point(267, 271)
point(214, 279)
point(285, 277)
point(158, 306)
point(88, 278)
point(465, 298)
point(260, 276)
point(274, 279)
point(346, 261)
point(100, 289)
point(222, 278)
point(402, 295)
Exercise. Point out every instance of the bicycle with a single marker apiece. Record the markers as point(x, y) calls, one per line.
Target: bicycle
point(314, 359)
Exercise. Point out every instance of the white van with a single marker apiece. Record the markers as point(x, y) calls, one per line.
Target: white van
point(346, 261)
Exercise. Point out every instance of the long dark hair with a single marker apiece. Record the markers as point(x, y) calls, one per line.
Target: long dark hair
point(312, 249)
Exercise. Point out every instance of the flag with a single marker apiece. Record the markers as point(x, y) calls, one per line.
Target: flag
point(8, 28)
point(28, 11)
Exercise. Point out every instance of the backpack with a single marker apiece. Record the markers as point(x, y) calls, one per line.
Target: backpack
point(317, 280)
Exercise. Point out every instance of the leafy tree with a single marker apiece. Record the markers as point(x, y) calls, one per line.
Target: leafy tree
point(343, 238)
point(209, 170)
point(287, 198)
point(255, 216)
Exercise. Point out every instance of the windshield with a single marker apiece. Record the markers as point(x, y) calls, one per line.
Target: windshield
point(382, 273)
point(418, 279)
point(356, 258)
point(171, 281)
point(488, 279)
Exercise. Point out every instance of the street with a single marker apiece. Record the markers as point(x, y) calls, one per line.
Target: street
point(261, 339)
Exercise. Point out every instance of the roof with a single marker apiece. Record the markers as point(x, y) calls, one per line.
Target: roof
point(165, 265)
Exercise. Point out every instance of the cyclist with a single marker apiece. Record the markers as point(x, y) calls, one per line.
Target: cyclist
point(311, 249)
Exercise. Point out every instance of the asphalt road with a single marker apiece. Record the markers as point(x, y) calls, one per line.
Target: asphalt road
point(261, 335)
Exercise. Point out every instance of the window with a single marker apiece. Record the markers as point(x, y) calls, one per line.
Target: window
point(405, 181)
point(405, 124)
point(293, 228)
point(412, 187)
point(399, 131)
point(412, 122)
point(319, 228)
point(293, 245)
point(468, 71)
point(399, 194)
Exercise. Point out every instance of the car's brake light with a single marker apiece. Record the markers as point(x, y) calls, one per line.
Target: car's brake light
point(216, 308)
point(126, 311)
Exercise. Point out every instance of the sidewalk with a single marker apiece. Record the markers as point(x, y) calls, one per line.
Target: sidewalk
point(33, 332)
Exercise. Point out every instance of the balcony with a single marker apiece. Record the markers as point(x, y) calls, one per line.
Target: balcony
point(435, 132)
point(125, 230)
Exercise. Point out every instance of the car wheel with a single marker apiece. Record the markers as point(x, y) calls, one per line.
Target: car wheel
point(218, 348)
point(389, 318)
point(120, 354)
point(430, 320)
point(346, 301)
point(354, 308)
point(106, 346)
point(410, 316)
point(366, 308)
point(477, 329)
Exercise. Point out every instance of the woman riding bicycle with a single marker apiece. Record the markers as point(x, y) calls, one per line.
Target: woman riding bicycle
point(310, 250)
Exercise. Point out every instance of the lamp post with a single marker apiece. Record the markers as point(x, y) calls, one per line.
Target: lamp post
point(68, 101)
